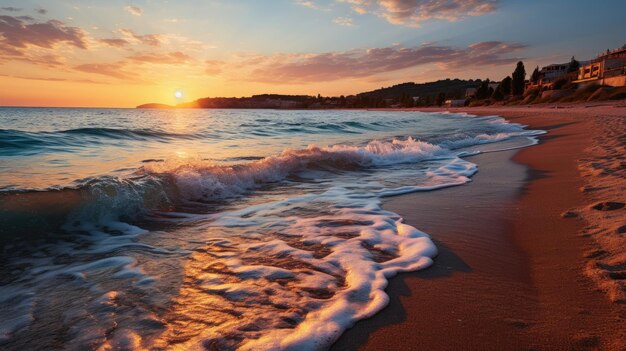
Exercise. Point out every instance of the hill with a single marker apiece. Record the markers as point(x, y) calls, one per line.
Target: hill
point(453, 88)
point(404, 95)
point(155, 105)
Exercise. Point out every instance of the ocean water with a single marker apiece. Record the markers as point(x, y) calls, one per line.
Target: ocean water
point(215, 229)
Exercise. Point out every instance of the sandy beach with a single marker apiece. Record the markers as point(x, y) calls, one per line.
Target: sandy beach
point(531, 252)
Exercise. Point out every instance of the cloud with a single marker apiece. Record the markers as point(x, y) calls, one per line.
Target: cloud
point(114, 42)
point(308, 3)
point(115, 70)
point(20, 32)
point(213, 67)
point(315, 5)
point(301, 68)
point(413, 12)
point(41, 11)
point(134, 10)
point(344, 21)
point(10, 9)
point(176, 57)
point(51, 79)
point(35, 57)
point(147, 39)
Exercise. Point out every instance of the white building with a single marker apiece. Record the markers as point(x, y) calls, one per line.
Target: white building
point(455, 103)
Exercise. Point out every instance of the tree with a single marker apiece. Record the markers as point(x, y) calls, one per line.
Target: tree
point(573, 65)
point(342, 100)
point(536, 75)
point(441, 98)
point(498, 94)
point(483, 90)
point(506, 86)
point(519, 75)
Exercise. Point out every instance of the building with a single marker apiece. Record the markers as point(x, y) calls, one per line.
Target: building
point(608, 68)
point(455, 103)
point(549, 74)
point(553, 72)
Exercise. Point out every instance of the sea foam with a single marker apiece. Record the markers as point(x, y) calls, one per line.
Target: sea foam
point(285, 251)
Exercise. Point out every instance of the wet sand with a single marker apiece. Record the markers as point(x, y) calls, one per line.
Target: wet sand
point(513, 273)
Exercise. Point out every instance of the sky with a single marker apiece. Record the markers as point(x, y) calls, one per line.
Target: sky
point(121, 53)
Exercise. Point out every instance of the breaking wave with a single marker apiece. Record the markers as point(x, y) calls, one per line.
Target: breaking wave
point(164, 185)
point(280, 252)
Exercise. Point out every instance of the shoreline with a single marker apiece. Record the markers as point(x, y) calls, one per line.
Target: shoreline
point(531, 288)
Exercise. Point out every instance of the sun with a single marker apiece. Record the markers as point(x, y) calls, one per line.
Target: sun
point(178, 94)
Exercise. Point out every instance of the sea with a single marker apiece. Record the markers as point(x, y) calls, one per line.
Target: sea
point(209, 229)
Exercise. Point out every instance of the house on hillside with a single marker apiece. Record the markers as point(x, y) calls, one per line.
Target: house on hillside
point(550, 74)
point(553, 72)
point(493, 85)
point(607, 69)
point(455, 103)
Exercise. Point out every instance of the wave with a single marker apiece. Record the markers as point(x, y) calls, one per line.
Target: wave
point(136, 134)
point(345, 127)
point(22, 142)
point(169, 184)
point(205, 181)
point(298, 246)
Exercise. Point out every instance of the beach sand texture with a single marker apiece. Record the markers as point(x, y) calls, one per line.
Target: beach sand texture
point(519, 246)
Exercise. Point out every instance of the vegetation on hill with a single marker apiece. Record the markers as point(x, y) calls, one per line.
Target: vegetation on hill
point(400, 95)
point(424, 93)
point(512, 90)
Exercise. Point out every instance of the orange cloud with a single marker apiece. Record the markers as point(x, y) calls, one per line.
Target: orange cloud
point(51, 79)
point(330, 66)
point(115, 70)
point(147, 39)
point(412, 12)
point(168, 58)
point(20, 32)
point(115, 42)
point(213, 67)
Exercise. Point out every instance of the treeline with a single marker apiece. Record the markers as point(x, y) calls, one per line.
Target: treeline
point(539, 88)
point(400, 95)
point(417, 94)
point(512, 89)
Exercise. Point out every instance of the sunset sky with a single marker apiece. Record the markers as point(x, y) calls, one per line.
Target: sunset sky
point(124, 53)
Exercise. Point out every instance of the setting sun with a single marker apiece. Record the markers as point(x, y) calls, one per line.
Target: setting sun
point(178, 94)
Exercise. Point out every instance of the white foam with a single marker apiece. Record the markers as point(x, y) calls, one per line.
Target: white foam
point(365, 279)
point(202, 180)
point(318, 259)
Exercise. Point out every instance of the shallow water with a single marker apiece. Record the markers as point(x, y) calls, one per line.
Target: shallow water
point(216, 229)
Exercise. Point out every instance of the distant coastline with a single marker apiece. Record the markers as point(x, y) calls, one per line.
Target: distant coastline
point(446, 93)
point(599, 79)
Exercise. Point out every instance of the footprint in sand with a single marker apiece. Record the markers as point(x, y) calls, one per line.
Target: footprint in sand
point(608, 206)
